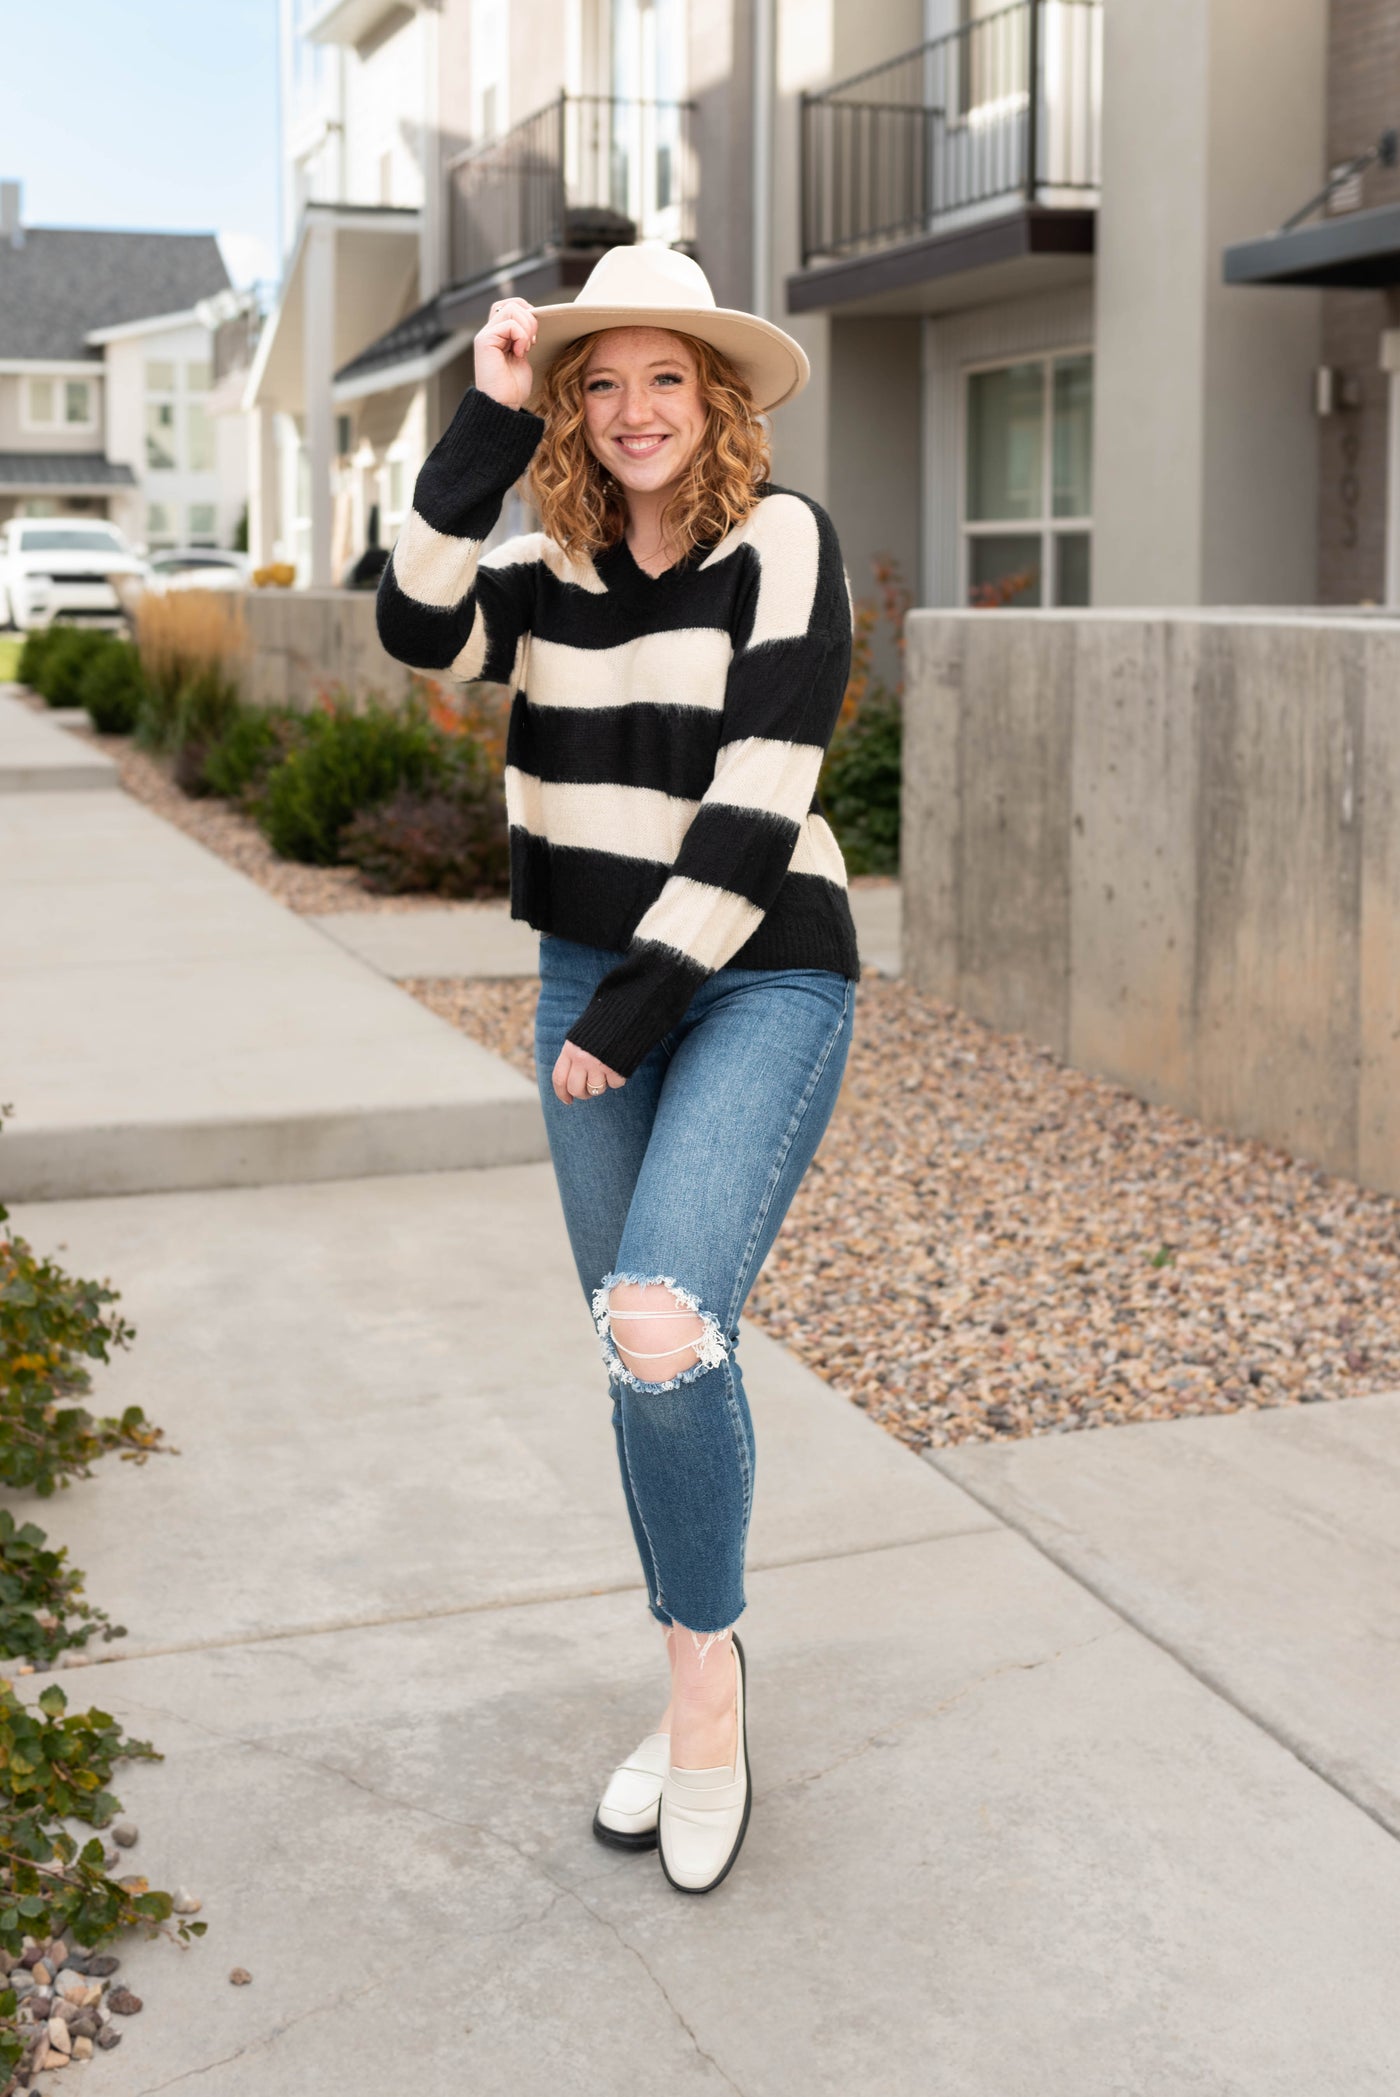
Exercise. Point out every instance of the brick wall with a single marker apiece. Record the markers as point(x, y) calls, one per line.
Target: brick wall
point(1363, 97)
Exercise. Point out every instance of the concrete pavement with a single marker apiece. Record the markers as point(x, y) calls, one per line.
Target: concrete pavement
point(389, 1632)
point(167, 1024)
point(1262, 1549)
point(36, 757)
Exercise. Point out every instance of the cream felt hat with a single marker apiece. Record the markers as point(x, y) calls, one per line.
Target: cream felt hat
point(652, 285)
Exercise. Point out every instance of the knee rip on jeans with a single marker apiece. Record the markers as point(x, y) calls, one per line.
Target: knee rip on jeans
point(647, 1298)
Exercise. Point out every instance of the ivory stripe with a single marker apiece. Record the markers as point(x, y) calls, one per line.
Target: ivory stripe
point(430, 566)
point(764, 774)
point(817, 852)
point(635, 822)
point(685, 666)
point(707, 924)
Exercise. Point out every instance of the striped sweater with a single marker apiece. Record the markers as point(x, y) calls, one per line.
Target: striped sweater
point(665, 731)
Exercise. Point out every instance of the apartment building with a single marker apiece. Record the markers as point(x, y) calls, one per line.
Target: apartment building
point(105, 379)
point(1061, 354)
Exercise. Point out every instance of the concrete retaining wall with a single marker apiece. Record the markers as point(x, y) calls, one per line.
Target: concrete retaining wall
point(305, 642)
point(1167, 846)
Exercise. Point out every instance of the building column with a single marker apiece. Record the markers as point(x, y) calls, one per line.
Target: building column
point(318, 369)
point(1390, 365)
point(262, 487)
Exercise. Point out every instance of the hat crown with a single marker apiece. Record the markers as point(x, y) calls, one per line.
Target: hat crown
point(646, 274)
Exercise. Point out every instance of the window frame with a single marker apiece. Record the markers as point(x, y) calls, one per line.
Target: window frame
point(1047, 526)
point(60, 381)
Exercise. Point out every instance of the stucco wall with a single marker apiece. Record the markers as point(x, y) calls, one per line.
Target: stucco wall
point(1167, 846)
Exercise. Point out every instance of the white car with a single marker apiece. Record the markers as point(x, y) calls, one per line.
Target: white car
point(65, 567)
point(196, 568)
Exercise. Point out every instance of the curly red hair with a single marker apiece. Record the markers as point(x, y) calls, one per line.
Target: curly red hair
point(583, 509)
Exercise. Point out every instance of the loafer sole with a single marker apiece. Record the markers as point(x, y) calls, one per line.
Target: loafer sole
point(645, 1838)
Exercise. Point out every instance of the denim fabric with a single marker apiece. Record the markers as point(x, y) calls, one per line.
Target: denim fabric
point(683, 1176)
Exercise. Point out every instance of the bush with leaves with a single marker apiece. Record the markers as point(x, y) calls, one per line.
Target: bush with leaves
point(860, 779)
point(42, 1609)
point(206, 708)
point(348, 760)
point(112, 688)
point(65, 660)
point(37, 643)
point(452, 840)
point(253, 742)
point(51, 1326)
point(55, 1766)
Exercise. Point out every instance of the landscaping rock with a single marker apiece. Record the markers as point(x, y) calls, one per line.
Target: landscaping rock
point(240, 1976)
point(184, 1902)
point(125, 1834)
point(103, 1962)
point(123, 2002)
point(82, 2049)
point(108, 2037)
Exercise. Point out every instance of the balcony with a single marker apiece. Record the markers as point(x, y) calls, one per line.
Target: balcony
point(970, 153)
point(530, 212)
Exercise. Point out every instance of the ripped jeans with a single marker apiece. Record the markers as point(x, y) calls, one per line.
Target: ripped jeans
point(682, 1177)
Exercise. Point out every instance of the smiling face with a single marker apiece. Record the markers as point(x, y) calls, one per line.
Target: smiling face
point(643, 410)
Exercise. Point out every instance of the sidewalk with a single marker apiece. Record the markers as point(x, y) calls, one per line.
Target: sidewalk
point(387, 1626)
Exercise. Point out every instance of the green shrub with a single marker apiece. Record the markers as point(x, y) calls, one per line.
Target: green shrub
point(206, 708)
point(254, 740)
point(452, 840)
point(37, 643)
point(65, 660)
point(346, 762)
point(39, 1594)
point(51, 1326)
point(111, 688)
point(860, 782)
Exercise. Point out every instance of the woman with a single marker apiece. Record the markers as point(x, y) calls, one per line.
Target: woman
point(676, 642)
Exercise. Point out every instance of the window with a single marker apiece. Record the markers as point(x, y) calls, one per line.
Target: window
point(158, 532)
point(647, 44)
point(490, 64)
point(197, 377)
point(1026, 489)
point(199, 438)
point(54, 404)
point(160, 375)
point(160, 436)
point(203, 523)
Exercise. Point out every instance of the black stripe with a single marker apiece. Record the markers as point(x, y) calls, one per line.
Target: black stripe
point(746, 850)
point(594, 897)
point(669, 749)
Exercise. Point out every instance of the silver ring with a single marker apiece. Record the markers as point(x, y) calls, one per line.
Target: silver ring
point(595, 1090)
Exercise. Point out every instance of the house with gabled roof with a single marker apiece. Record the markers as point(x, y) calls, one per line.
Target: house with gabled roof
point(105, 373)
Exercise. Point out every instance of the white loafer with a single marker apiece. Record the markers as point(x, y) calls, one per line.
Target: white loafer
point(627, 1812)
point(705, 1812)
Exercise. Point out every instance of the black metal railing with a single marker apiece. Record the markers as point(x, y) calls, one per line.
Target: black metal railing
point(579, 172)
point(1007, 105)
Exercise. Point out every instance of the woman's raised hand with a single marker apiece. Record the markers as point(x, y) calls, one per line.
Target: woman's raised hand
point(502, 350)
point(577, 1075)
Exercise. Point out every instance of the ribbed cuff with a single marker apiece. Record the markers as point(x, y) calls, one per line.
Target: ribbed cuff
point(624, 1019)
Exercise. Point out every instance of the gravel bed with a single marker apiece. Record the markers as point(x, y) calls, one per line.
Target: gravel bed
point(992, 1245)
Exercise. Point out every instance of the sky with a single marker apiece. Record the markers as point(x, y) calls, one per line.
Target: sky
point(157, 115)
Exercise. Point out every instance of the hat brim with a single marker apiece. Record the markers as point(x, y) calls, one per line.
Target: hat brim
point(773, 363)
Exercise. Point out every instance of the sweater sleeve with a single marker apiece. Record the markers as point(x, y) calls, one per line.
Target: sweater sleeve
point(783, 693)
point(439, 606)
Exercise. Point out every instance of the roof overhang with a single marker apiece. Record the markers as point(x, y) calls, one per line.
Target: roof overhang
point(61, 473)
point(127, 330)
point(376, 268)
point(1029, 248)
point(1358, 251)
point(351, 21)
point(407, 371)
